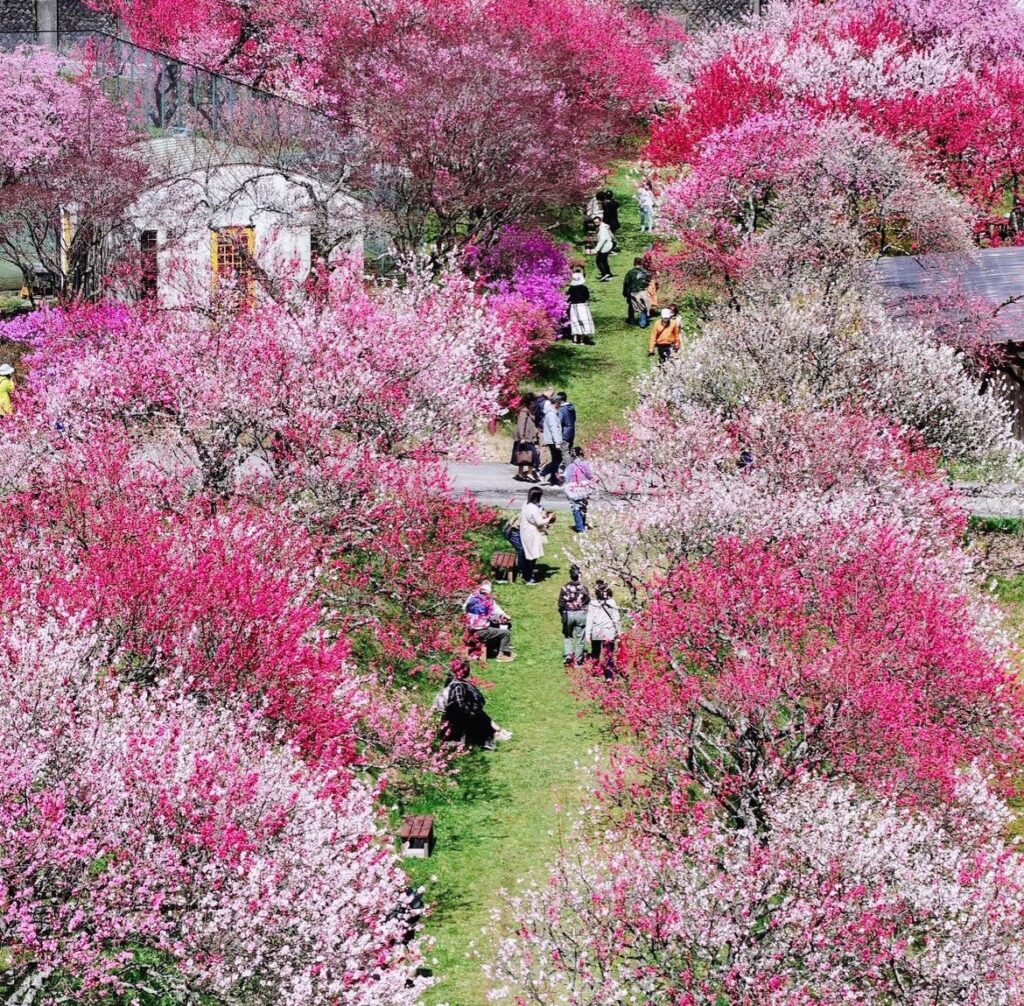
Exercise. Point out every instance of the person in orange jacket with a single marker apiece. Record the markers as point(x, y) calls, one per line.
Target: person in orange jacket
point(665, 336)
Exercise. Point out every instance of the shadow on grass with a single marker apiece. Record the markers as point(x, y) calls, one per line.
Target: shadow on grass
point(561, 363)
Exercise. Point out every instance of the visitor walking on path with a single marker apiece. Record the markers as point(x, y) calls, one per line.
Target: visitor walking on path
point(665, 338)
point(581, 321)
point(634, 290)
point(646, 201)
point(603, 629)
point(579, 479)
point(567, 417)
point(461, 704)
point(488, 622)
point(525, 449)
point(6, 389)
point(551, 437)
point(573, 600)
point(534, 522)
point(604, 243)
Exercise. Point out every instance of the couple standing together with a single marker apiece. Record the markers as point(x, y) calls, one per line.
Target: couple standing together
point(547, 419)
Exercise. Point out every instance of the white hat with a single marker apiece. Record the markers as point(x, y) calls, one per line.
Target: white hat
point(485, 587)
point(6, 370)
point(666, 313)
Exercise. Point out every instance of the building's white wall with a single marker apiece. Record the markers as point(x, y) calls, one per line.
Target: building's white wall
point(185, 211)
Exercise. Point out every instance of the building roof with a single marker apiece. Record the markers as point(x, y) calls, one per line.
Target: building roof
point(997, 274)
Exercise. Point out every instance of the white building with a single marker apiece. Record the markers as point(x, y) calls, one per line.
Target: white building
point(219, 213)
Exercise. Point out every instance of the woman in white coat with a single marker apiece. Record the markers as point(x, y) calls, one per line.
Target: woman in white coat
point(604, 627)
point(534, 522)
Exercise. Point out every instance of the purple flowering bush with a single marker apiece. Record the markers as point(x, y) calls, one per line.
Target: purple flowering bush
point(526, 264)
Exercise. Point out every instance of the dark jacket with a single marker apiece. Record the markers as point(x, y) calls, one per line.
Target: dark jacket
point(538, 410)
point(610, 211)
point(579, 294)
point(635, 281)
point(567, 413)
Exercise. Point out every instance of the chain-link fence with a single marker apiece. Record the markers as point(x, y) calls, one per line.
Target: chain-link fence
point(701, 15)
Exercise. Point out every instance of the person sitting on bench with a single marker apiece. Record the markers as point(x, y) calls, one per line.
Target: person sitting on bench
point(488, 623)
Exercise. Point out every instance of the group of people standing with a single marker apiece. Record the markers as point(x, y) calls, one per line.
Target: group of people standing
point(545, 419)
point(640, 287)
point(589, 623)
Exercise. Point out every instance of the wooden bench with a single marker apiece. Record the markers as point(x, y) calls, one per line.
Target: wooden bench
point(504, 566)
point(417, 835)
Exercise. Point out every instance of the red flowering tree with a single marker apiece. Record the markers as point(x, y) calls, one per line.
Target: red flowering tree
point(850, 655)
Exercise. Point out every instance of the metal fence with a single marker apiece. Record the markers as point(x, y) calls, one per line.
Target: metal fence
point(37, 20)
point(159, 93)
point(702, 15)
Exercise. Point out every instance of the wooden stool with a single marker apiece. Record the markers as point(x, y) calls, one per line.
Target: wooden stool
point(417, 834)
point(504, 566)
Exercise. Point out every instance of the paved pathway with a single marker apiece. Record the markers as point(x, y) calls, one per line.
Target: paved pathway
point(492, 484)
point(993, 500)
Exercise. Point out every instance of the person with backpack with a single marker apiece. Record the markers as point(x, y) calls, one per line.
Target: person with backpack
point(634, 290)
point(603, 628)
point(579, 477)
point(573, 600)
point(461, 704)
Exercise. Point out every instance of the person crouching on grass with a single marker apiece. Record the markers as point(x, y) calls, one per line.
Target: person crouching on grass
point(461, 704)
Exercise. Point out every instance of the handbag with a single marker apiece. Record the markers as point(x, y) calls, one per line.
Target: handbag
point(524, 455)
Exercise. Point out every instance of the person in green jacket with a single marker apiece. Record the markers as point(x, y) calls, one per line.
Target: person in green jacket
point(634, 289)
point(6, 389)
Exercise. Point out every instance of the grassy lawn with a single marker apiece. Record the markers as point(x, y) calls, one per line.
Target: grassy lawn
point(502, 821)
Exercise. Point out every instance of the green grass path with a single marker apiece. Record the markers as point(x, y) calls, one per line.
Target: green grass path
point(501, 822)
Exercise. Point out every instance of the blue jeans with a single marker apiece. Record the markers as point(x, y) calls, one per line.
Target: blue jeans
point(516, 541)
point(579, 513)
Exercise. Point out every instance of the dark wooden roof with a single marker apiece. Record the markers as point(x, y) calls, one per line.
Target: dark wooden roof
point(994, 273)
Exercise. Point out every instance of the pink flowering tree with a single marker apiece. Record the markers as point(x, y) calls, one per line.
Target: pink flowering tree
point(848, 896)
point(67, 172)
point(274, 393)
point(808, 345)
point(676, 480)
point(774, 187)
point(159, 845)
